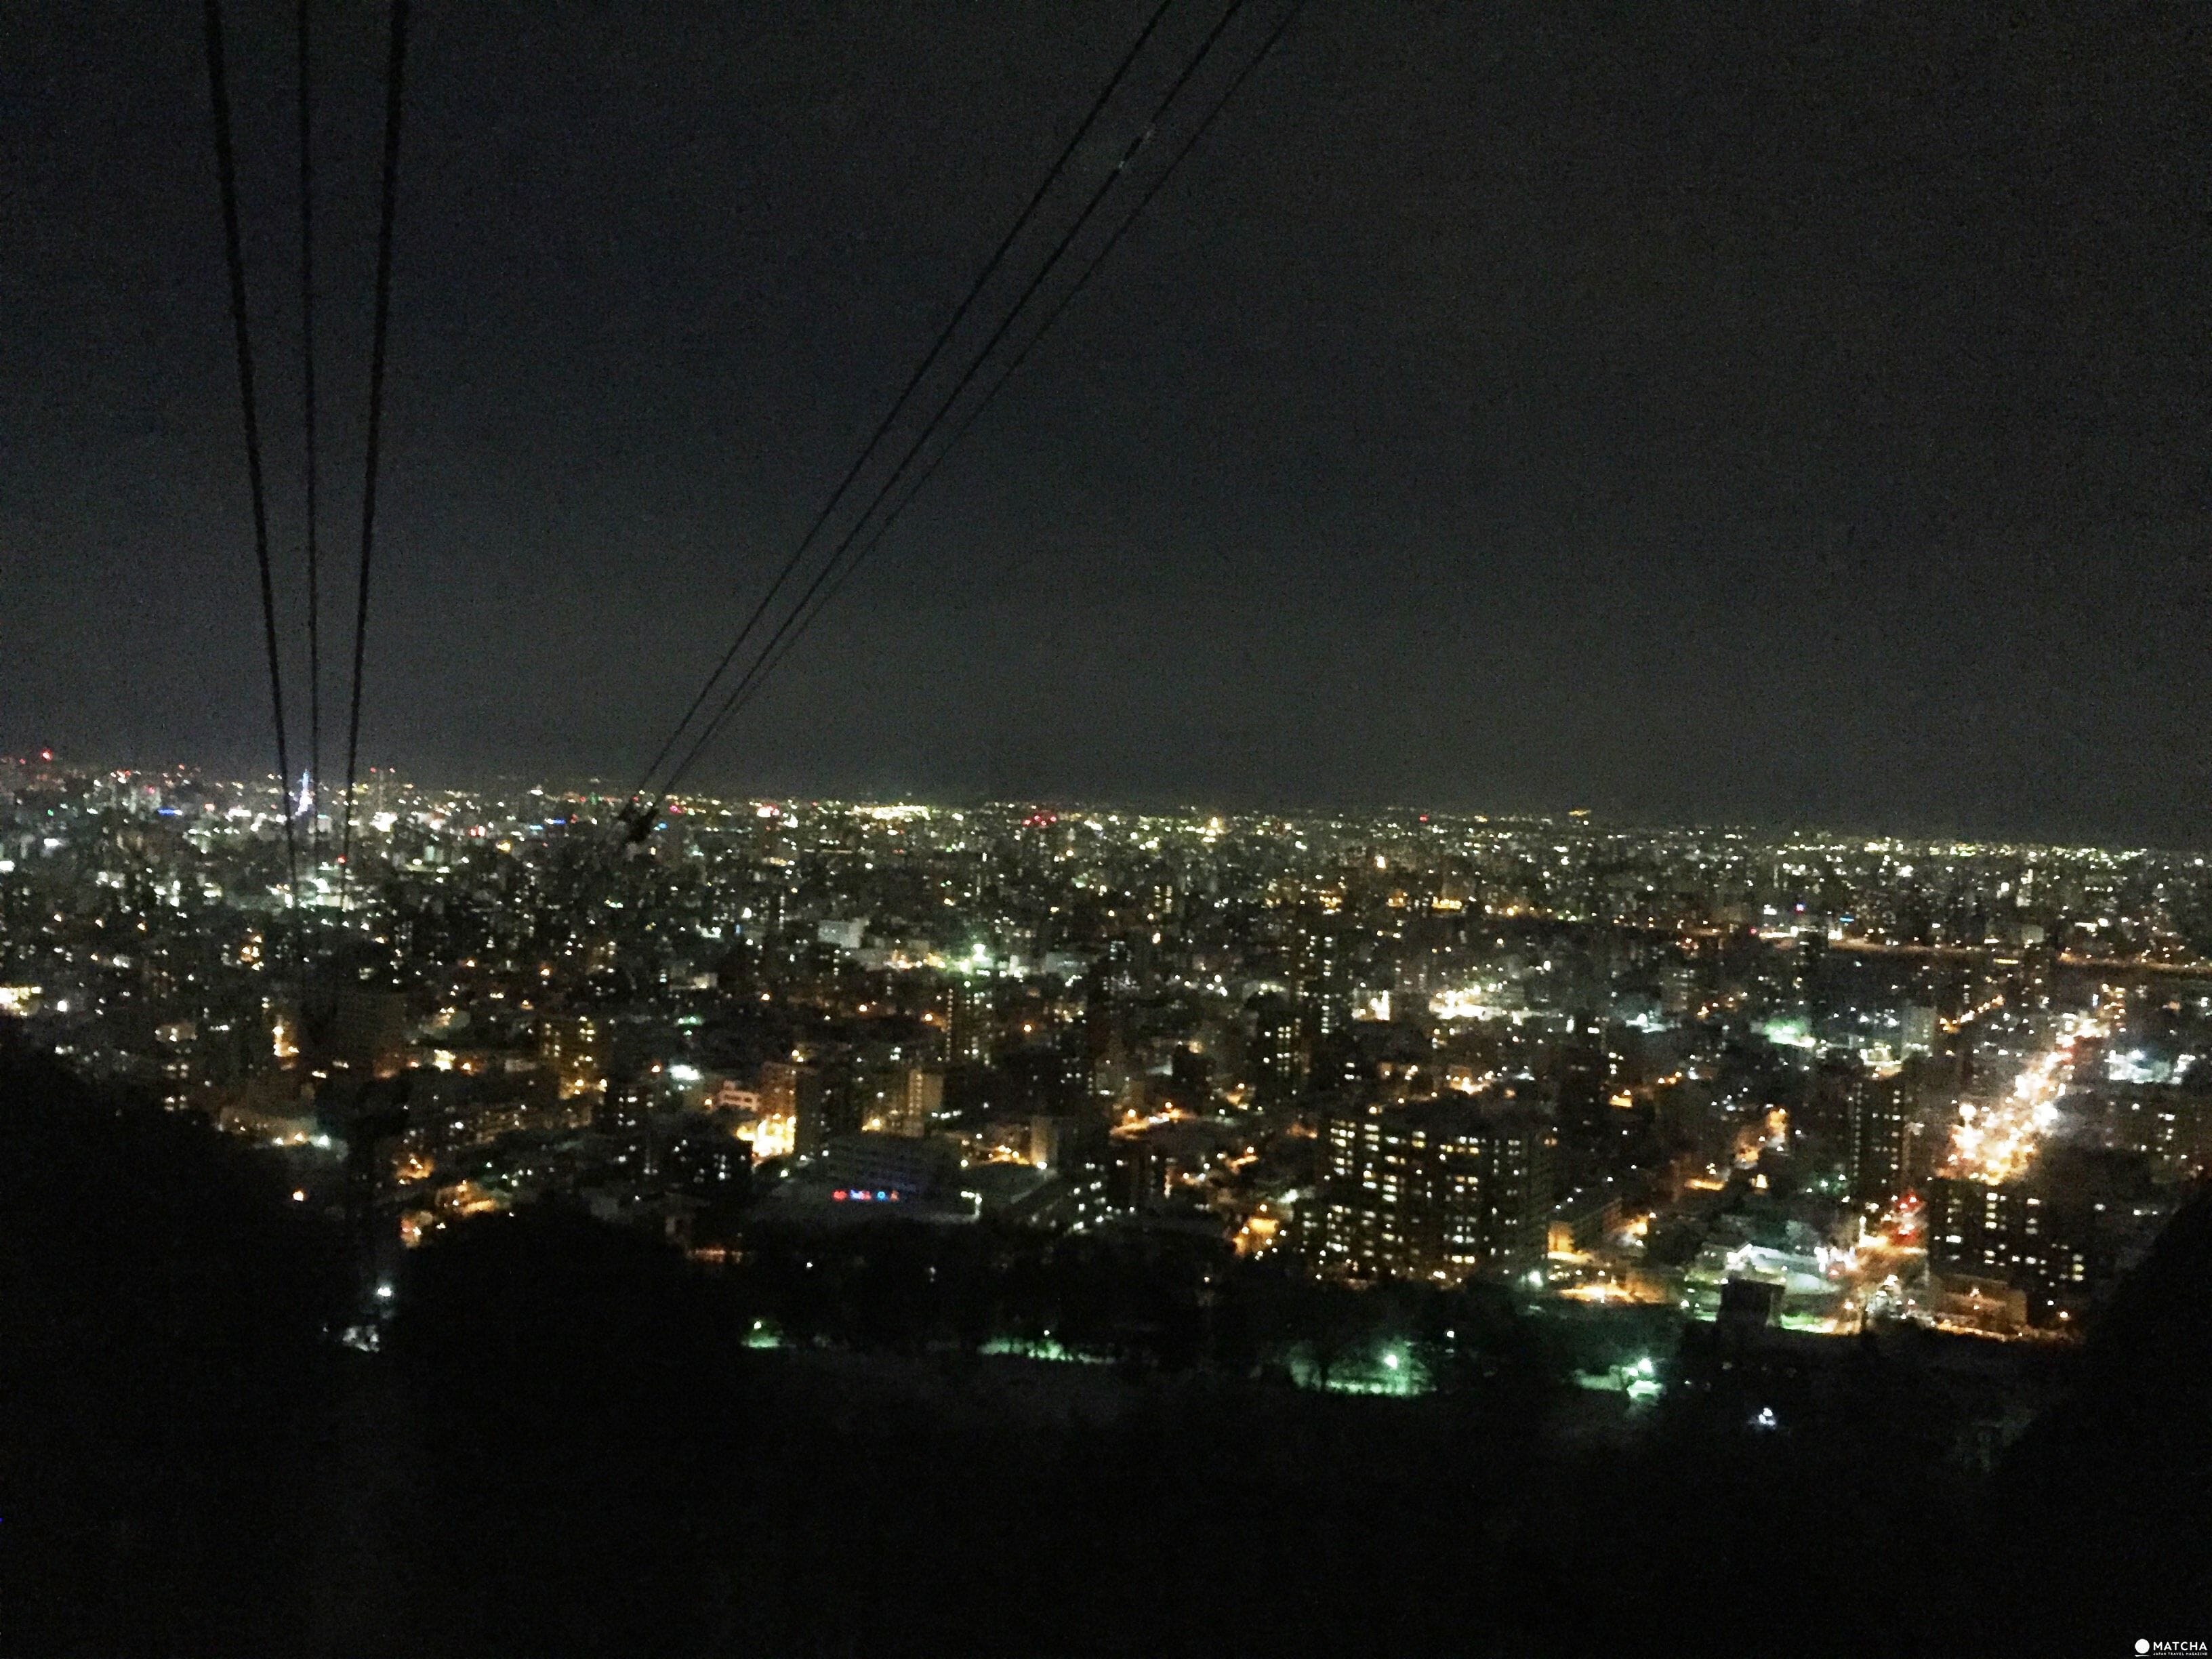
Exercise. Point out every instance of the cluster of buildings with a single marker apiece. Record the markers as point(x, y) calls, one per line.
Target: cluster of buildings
point(1955, 1083)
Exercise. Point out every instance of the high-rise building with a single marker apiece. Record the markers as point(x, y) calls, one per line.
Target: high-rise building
point(2062, 1234)
point(1078, 1152)
point(570, 1053)
point(1278, 1051)
point(1319, 967)
point(1190, 1079)
point(1874, 1123)
point(571, 1056)
point(1072, 1042)
point(1439, 1189)
point(2014, 1235)
point(797, 1094)
point(363, 1029)
point(920, 1101)
point(707, 1161)
point(967, 1020)
point(627, 1107)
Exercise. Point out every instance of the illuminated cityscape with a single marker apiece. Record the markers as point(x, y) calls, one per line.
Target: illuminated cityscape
point(1669, 1069)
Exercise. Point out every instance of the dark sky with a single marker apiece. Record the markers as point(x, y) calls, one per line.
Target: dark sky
point(1780, 413)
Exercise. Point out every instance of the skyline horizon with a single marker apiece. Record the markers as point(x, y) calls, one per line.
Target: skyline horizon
point(1623, 820)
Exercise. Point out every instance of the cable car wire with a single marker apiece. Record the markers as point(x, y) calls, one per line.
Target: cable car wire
point(227, 168)
point(1027, 216)
point(308, 407)
point(824, 587)
point(1044, 272)
point(976, 411)
point(394, 105)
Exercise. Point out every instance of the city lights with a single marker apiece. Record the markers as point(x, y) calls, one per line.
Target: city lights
point(1996, 1142)
point(1623, 1074)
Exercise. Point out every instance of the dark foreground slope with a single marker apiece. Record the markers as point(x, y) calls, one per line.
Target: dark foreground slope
point(162, 1362)
point(568, 1445)
point(612, 1470)
point(2100, 1519)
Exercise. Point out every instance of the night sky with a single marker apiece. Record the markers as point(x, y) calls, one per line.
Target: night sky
point(1789, 413)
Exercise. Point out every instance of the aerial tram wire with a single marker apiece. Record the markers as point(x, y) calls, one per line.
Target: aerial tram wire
point(307, 411)
point(744, 692)
point(1043, 273)
point(1023, 220)
point(825, 586)
point(1065, 300)
point(394, 105)
point(642, 822)
point(226, 170)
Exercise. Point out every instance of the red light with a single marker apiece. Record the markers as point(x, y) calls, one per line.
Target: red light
point(840, 1195)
